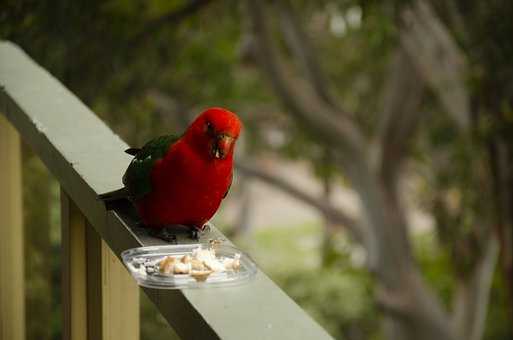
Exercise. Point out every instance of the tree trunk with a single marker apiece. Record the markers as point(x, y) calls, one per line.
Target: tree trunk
point(327, 231)
point(472, 295)
point(243, 220)
point(412, 310)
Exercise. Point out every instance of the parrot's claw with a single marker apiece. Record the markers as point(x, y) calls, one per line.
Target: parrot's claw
point(195, 235)
point(206, 228)
point(164, 234)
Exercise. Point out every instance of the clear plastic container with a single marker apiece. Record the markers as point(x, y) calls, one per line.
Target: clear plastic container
point(143, 264)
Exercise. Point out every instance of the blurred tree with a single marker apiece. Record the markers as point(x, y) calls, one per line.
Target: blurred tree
point(425, 56)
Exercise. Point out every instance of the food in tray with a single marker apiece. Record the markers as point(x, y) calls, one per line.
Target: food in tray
point(232, 264)
point(199, 264)
point(200, 275)
point(204, 265)
point(166, 266)
point(181, 268)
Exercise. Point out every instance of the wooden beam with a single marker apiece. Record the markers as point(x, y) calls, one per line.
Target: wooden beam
point(100, 299)
point(12, 293)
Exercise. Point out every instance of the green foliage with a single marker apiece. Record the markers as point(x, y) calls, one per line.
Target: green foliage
point(340, 301)
point(339, 296)
point(497, 324)
point(436, 265)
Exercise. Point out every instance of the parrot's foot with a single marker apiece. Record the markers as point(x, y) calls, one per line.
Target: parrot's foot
point(164, 234)
point(195, 234)
point(206, 228)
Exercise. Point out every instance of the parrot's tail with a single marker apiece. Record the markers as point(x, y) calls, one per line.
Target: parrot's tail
point(112, 196)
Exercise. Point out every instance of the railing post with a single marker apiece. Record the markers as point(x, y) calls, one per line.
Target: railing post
point(101, 300)
point(74, 278)
point(12, 294)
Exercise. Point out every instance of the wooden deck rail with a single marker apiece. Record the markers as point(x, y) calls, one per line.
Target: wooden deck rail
point(100, 299)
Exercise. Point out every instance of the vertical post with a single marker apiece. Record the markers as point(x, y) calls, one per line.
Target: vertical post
point(120, 299)
point(112, 291)
point(12, 296)
point(102, 299)
point(74, 294)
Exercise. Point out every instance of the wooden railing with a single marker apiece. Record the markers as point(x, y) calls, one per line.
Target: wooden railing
point(100, 299)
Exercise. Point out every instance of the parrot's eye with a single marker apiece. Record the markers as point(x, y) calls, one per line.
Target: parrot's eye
point(209, 128)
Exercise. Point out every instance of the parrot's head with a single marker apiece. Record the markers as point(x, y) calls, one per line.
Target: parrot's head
point(214, 133)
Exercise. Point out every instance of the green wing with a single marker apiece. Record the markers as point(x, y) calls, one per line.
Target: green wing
point(137, 178)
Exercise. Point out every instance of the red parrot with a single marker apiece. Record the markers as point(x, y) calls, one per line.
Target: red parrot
point(183, 180)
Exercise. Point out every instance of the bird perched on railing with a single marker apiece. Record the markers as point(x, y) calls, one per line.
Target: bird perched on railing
point(182, 180)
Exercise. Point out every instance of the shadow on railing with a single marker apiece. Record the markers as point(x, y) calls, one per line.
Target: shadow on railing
point(101, 300)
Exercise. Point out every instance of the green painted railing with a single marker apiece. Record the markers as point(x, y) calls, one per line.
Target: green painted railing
point(100, 299)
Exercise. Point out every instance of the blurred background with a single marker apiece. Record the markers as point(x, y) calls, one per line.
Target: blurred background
point(374, 178)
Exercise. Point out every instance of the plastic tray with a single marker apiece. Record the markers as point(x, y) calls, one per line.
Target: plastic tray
point(143, 264)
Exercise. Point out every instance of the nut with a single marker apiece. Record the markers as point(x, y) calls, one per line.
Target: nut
point(232, 263)
point(213, 243)
point(167, 264)
point(200, 275)
point(186, 258)
point(203, 254)
point(182, 268)
point(197, 265)
point(214, 265)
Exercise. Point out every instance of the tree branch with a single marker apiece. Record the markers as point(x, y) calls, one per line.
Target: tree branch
point(438, 59)
point(335, 129)
point(174, 17)
point(400, 115)
point(335, 215)
point(472, 295)
point(299, 44)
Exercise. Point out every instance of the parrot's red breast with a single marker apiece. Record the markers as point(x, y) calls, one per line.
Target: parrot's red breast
point(189, 182)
